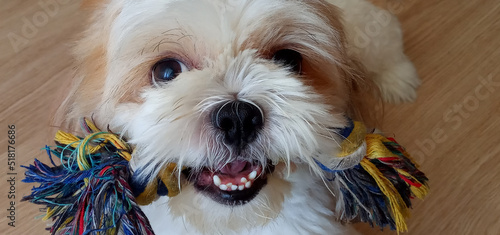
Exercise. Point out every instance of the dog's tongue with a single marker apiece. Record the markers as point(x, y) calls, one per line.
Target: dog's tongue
point(237, 175)
point(235, 168)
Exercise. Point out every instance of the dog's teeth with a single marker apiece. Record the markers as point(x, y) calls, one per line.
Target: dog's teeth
point(241, 187)
point(223, 187)
point(248, 184)
point(244, 180)
point(252, 175)
point(234, 187)
point(217, 180)
point(229, 185)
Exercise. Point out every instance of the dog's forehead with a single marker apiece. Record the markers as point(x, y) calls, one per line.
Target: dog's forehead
point(208, 27)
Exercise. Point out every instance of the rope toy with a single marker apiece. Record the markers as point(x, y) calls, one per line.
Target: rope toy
point(94, 190)
point(378, 180)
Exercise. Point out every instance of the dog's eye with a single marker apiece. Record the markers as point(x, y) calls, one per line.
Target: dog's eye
point(290, 58)
point(168, 69)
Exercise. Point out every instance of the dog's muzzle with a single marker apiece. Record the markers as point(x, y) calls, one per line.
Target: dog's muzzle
point(239, 180)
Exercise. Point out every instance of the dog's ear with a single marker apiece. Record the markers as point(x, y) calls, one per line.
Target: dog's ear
point(365, 102)
point(88, 81)
point(364, 99)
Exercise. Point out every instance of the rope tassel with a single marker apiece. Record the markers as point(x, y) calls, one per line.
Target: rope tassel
point(379, 189)
point(89, 193)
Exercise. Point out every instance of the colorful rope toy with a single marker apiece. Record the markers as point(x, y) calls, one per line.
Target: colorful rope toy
point(379, 179)
point(94, 190)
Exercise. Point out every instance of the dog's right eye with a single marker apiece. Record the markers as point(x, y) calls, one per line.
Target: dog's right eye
point(167, 70)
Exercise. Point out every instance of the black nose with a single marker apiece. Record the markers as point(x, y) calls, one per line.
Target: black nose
point(240, 121)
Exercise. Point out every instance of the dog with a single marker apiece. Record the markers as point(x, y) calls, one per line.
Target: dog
point(244, 96)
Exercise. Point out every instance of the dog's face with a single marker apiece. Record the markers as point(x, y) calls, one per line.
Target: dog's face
point(239, 92)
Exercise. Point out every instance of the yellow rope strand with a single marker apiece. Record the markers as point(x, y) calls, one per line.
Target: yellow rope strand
point(353, 141)
point(84, 145)
point(397, 204)
point(376, 149)
point(419, 192)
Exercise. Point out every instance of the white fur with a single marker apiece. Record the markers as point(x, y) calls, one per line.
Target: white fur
point(170, 122)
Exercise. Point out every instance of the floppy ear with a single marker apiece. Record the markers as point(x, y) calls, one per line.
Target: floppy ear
point(91, 64)
point(363, 97)
point(365, 102)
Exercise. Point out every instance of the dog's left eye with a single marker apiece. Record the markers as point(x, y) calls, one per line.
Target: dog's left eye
point(289, 58)
point(167, 69)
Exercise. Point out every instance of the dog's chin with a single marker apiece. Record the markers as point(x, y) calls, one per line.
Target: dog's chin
point(236, 183)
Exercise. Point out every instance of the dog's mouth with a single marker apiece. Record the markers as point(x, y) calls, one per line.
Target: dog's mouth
point(236, 183)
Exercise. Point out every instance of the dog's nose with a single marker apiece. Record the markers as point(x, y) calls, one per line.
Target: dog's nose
point(240, 121)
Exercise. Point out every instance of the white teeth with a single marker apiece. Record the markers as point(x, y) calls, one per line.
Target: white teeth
point(217, 180)
point(246, 183)
point(252, 175)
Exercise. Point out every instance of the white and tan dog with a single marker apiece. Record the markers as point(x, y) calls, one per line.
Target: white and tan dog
point(245, 94)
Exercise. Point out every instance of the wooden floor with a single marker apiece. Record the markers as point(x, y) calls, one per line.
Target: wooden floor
point(453, 129)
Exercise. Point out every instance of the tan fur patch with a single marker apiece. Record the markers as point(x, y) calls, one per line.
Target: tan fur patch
point(91, 63)
point(360, 91)
point(92, 3)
